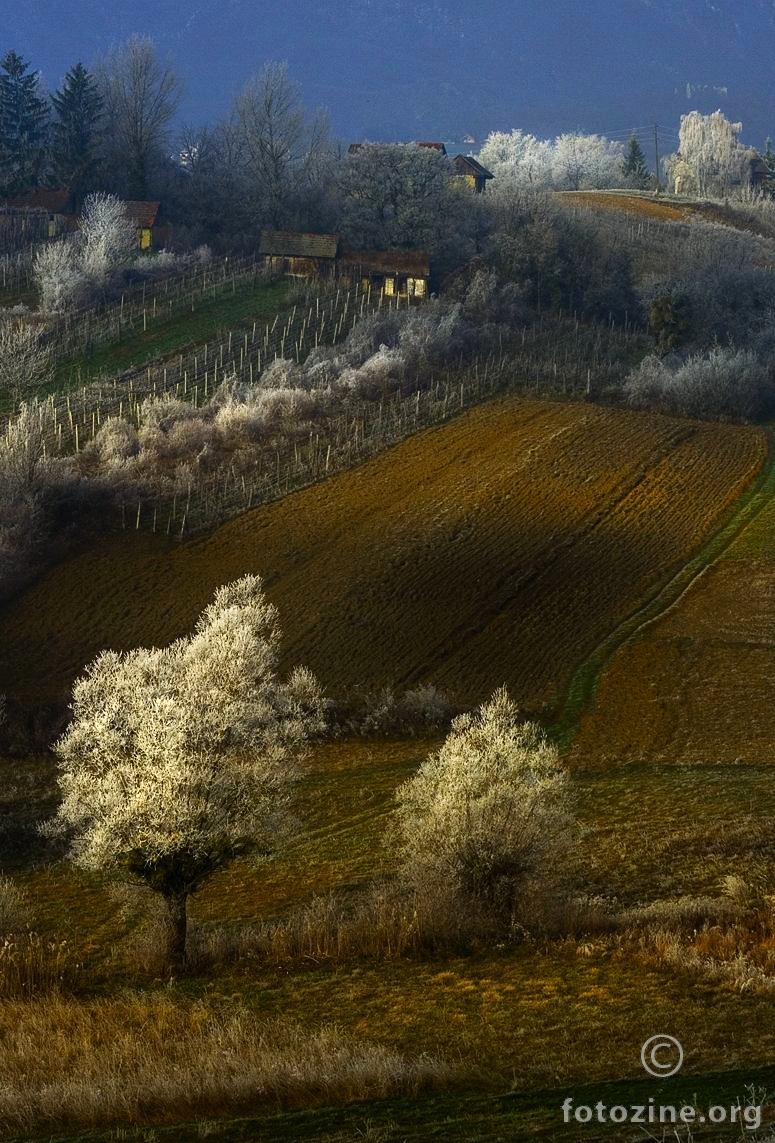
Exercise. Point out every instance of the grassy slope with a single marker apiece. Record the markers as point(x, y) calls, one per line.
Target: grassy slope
point(167, 336)
point(543, 1021)
point(501, 548)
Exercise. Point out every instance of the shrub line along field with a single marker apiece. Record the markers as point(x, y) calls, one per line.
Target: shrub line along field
point(502, 547)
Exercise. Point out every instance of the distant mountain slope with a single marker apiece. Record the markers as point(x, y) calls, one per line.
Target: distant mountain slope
point(441, 68)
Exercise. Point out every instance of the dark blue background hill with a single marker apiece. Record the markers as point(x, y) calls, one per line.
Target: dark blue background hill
point(402, 69)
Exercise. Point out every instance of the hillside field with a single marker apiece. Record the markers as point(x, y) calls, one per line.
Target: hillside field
point(508, 545)
point(502, 547)
point(697, 683)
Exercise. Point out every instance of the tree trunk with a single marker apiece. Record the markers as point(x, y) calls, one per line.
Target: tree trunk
point(177, 904)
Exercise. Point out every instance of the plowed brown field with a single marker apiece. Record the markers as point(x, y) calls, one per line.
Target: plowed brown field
point(663, 210)
point(699, 684)
point(501, 547)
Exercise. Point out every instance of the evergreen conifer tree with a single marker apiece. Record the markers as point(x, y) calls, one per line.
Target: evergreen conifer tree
point(23, 127)
point(634, 167)
point(76, 132)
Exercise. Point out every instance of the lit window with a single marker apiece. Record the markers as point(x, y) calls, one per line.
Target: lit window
point(417, 287)
point(390, 286)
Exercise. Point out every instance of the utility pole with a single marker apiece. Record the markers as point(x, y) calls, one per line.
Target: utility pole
point(656, 156)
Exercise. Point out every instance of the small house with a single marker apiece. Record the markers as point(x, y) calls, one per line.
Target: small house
point(471, 174)
point(145, 216)
point(299, 255)
point(56, 205)
point(400, 273)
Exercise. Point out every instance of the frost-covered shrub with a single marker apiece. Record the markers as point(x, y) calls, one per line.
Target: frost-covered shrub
point(715, 304)
point(426, 705)
point(116, 442)
point(60, 280)
point(282, 374)
point(165, 411)
point(278, 405)
point(384, 712)
point(725, 384)
point(431, 334)
point(156, 265)
point(486, 816)
point(237, 421)
point(371, 332)
point(379, 374)
point(26, 361)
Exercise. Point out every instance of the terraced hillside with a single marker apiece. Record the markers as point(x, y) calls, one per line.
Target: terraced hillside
point(501, 547)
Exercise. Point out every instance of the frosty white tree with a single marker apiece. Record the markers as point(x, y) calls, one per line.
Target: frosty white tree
point(709, 144)
point(107, 236)
point(180, 759)
point(26, 362)
point(486, 813)
point(58, 276)
point(569, 162)
point(518, 158)
point(69, 271)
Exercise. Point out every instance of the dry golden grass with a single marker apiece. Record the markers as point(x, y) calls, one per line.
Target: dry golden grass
point(543, 1015)
point(697, 685)
point(501, 547)
point(156, 1058)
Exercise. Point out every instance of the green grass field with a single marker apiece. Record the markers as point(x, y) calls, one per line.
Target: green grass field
point(167, 336)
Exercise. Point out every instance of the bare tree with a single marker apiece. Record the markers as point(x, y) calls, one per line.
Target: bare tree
point(26, 361)
point(140, 97)
point(280, 148)
point(180, 759)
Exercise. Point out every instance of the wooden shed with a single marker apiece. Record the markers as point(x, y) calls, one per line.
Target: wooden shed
point(471, 174)
point(402, 273)
point(145, 216)
point(56, 205)
point(298, 254)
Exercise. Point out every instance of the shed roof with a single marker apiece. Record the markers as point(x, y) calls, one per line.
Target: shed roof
point(291, 244)
point(415, 263)
point(52, 201)
point(467, 165)
point(141, 213)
